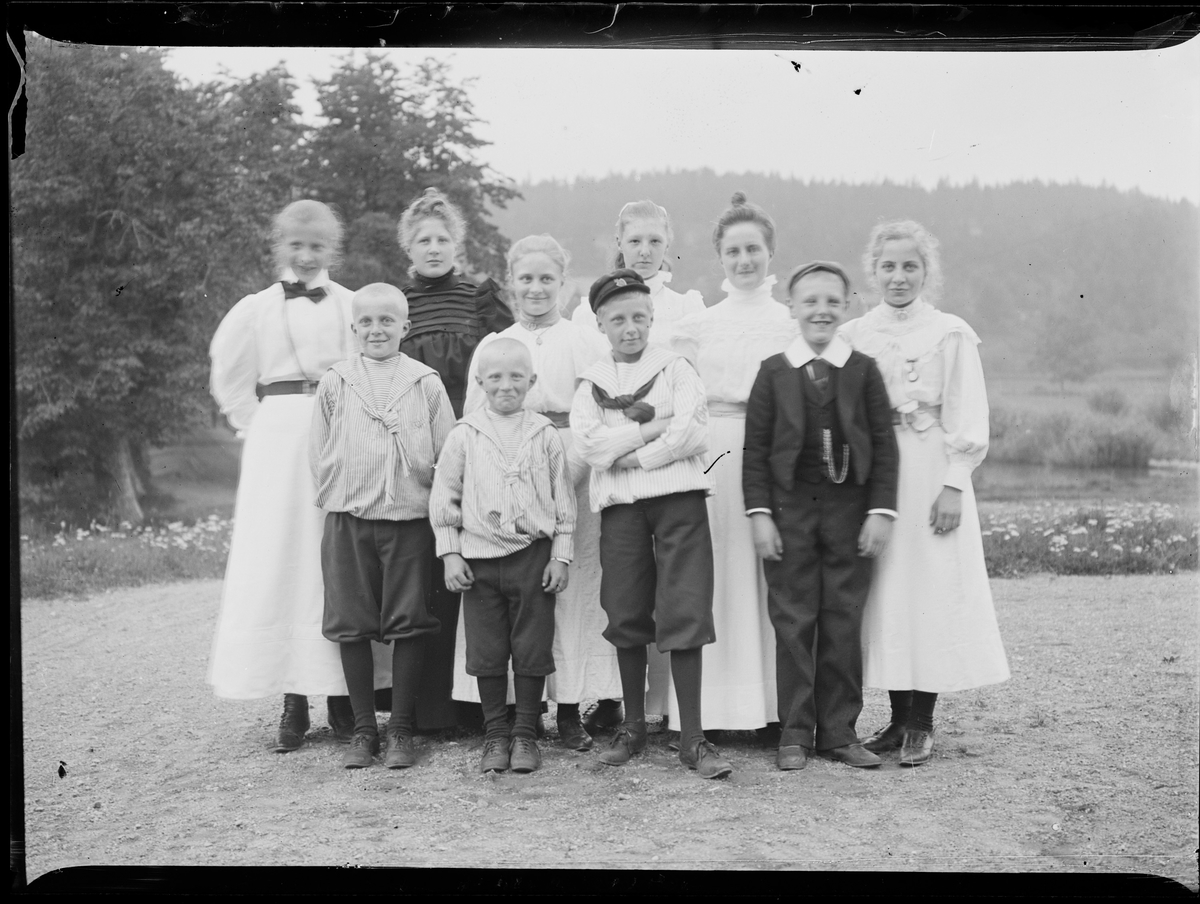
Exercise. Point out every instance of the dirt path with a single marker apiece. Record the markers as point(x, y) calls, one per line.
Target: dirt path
point(1085, 761)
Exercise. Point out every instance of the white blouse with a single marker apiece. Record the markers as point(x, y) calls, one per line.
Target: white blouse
point(267, 339)
point(729, 341)
point(563, 353)
point(669, 307)
point(928, 358)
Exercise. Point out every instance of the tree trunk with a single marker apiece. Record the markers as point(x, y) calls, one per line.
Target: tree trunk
point(120, 481)
point(139, 452)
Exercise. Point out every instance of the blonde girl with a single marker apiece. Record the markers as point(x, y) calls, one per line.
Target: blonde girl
point(268, 355)
point(929, 625)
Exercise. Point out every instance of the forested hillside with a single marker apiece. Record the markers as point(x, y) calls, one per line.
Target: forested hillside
point(1063, 279)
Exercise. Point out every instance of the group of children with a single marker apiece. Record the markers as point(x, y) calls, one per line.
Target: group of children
point(577, 501)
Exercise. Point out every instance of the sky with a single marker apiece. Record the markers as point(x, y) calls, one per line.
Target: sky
point(1125, 119)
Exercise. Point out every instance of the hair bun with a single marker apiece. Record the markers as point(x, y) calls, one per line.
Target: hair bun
point(431, 192)
point(738, 199)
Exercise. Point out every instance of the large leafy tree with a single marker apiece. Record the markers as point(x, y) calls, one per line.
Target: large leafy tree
point(388, 135)
point(126, 213)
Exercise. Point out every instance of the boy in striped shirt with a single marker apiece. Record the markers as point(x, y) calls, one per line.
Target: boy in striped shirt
point(379, 423)
point(503, 513)
point(640, 420)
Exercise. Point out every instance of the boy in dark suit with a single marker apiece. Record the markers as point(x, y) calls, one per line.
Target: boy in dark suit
point(817, 415)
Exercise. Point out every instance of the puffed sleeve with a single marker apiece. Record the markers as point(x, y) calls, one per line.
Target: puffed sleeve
point(685, 340)
point(693, 302)
point(490, 308)
point(234, 354)
point(584, 317)
point(964, 408)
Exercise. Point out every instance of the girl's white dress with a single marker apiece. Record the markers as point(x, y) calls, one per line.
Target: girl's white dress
point(585, 663)
point(727, 343)
point(669, 308)
point(929, 624)
point(268, 639)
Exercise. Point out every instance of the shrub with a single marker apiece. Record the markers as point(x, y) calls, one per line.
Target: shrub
point(1080, 441)
point(1108, 401)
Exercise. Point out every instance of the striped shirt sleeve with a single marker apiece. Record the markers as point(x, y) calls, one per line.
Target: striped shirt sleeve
point(445, 500)
point(565, 511)
point(687, 434)
point(599, 444)
point(441, 412)
point(319, 434)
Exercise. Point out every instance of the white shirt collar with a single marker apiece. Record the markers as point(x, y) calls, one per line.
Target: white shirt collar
point(836, 352)
point(321, 279)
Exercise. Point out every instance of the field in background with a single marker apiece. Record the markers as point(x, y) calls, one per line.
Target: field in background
point(1035, 517)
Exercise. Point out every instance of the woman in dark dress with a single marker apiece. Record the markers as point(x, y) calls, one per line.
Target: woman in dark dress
point(449, 314)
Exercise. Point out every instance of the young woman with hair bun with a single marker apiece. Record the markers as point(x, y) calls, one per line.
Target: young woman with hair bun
point(727, 342)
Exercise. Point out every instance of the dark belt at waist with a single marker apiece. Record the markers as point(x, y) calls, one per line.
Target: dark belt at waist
point(286, 387)
point(558, 418)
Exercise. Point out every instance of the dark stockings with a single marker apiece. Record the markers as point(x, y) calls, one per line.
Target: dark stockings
point(913, 709)
point(631, 663)
point(686, 673)
point(358, 665)
point(493, 697)
point(528, 691)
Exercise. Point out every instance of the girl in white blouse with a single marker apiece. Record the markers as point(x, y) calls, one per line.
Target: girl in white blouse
point(727, 343)
point(929, 625)
point(268, 355)
point(585, 663)
point(641, 240)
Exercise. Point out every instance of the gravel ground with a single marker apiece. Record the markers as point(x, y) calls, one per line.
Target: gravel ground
point(1086, 761)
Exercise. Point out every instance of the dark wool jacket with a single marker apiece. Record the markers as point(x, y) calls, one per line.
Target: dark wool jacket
point(775, 430)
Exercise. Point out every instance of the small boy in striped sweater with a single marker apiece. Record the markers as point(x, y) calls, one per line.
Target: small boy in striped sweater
point(379, 424)
point(503, 512)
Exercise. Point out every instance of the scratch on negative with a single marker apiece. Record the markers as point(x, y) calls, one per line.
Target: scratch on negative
point(715, 460)
point(616, 9)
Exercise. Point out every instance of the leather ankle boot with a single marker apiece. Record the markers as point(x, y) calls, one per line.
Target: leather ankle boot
point(293, 724)
point(341, 718)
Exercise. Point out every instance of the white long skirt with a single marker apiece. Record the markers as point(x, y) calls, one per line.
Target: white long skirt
point(738, 690)
point(929, 622)
point(268, 639)
point(585, 664)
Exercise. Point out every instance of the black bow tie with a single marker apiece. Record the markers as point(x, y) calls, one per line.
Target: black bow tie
point(297, 290)
point(631, 405)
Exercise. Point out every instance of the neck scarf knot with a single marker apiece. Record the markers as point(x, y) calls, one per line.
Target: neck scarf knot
point(631, 405)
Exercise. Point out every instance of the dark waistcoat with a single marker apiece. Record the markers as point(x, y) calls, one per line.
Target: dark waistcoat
point(820, 414)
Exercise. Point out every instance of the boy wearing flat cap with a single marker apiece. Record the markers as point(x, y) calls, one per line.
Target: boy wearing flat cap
point(639, 418)
point(819, 479)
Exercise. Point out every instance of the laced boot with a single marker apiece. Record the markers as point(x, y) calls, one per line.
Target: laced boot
point(293, 724)
point(341, 718)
